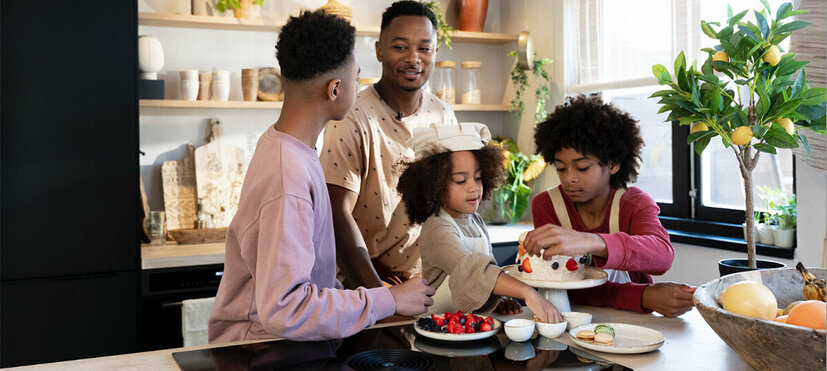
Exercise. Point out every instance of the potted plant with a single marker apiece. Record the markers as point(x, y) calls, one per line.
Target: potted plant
point(510, 200)
point(754, 103)
point(443, 30)
point(784, 233)
point(241, 8)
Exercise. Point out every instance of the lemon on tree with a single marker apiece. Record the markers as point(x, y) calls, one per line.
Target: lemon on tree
point(772, 56)
point(750, 299)
point(741, 136)
point(720, 56)
point(787, 124)
point(698, 126)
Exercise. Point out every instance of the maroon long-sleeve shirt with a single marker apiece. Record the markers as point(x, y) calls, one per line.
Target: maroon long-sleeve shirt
point(641, 248)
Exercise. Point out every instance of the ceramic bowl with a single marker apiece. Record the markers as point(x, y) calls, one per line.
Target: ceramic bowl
point(551, 330)
point(576, 319)
point(765, 345)
point(519, 329)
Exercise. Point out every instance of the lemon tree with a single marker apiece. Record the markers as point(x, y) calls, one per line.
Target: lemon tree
point(748, 92)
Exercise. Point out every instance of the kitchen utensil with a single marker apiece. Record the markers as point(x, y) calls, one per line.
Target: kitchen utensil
point(178, 182)
point(219, 173)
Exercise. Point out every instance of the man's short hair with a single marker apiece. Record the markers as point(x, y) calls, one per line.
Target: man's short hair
point(312, 44)
point(407, 7)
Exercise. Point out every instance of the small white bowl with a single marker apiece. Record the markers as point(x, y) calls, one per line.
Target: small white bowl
point(576, 319)
point(551, 330)
point(519, 329)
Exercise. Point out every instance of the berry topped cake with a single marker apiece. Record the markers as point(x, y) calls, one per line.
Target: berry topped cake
point(559, 268)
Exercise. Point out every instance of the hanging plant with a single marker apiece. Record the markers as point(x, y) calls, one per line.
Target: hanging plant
point(443, 30)
point(519, 79)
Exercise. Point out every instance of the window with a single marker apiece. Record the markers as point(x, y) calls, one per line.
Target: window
point(616, 44)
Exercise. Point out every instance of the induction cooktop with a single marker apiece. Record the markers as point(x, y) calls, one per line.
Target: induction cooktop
point(394, 348)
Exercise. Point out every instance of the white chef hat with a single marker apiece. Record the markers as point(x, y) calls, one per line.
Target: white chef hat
point(467, 136)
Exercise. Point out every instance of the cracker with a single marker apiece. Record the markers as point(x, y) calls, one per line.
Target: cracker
point(585, 335)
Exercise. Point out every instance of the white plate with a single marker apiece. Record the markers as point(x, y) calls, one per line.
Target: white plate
point(629, 339)
point(594, 277)
point(458, 337)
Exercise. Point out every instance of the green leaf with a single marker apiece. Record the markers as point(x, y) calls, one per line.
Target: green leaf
point(779, 138)
point(682, 82)
point(696, 95)
point(665, 108)
point(789, 67)
point(677, 114)
point(764, 147)
point(779, 37)
point(698, 135)
point(710, 78)
point(799, 83)
point(680, 63)
point(805, 142)
point(749, 33)
point(659, 69)
point(734, 19)
point(767, 6)
point(662, 93)
point(763, 100)
point(709, 50)
point(781, 109)
point(701, 144)
point(811, 112)
point(729, 11)
point(707, 29)
point(782, 11)
point(762, 24)
point(792, 26)
point(812, 96)
point(706, 68)
point(759, 131)
point(797, 12)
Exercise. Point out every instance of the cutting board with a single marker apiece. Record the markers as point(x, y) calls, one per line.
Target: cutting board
point(219, 173)
point(178, 181)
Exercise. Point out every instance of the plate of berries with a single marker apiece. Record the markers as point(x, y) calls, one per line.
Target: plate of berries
point(456, 326)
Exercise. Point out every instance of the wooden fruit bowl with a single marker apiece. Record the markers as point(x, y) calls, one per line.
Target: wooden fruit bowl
point(204, 235)
point(765, 345)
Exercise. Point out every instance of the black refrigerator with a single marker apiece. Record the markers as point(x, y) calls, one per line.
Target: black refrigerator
point(69, 181)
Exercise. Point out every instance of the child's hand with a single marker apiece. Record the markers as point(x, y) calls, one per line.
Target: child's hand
point(509, 306)
point(557, 240)
point(543, 309)
point(667, 298)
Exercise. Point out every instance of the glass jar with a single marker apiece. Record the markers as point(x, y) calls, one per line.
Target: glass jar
point(443, 81)
point(471, 95)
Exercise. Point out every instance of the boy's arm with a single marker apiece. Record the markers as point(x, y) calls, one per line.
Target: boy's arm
point(288, 302)
point(351, 250)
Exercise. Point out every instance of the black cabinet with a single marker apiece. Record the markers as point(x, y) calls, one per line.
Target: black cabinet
point(46, 320)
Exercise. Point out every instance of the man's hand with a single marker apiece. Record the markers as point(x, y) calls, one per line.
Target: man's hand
point(412, 297)
point(667, 298)
point(557, 240)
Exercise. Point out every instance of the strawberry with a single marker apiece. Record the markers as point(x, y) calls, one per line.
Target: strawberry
point(485, 326)
point(454, 328)
point(571, 265)
point(469, 329)
point(526, 266)
point(477, 319)
point(489, 321)
point(438, 320)
point(469, 319)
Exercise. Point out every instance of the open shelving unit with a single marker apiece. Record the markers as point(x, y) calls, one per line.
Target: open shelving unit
point(198, 104)
point(229, 23)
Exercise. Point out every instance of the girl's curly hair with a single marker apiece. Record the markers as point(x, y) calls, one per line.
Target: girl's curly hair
point(424, 182)
point(592, 127)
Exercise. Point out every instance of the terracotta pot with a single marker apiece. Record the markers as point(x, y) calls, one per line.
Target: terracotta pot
point(247, 10)
point(471, 15)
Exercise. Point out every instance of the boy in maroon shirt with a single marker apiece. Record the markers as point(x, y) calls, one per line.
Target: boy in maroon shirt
point(595, 149)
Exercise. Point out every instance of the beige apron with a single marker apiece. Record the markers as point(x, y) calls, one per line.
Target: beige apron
point(614, 224)
point(442, 298)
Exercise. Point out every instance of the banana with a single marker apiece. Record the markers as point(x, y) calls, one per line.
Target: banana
point(814, 289)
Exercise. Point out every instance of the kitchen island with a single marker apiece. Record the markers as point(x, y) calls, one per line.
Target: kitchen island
point(690, 344)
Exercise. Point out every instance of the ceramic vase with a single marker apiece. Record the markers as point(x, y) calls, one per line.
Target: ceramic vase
point(150, 57)
point(189, 85)
point(471, 15)
point(249, 84)
point(221, 86)
point(784, 237)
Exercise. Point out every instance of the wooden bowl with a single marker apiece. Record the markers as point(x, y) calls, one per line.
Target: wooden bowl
point(765, 345)
point(203, 235)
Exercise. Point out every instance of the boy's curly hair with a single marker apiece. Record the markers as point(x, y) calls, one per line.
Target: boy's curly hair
point(424, 183)
point(592, 127)
point(312, 44)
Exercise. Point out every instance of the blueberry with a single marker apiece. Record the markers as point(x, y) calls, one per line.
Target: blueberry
point(583, 259)
point(520, 267)
point(555, 265)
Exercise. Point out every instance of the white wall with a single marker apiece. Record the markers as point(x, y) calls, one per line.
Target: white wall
point(164, 132)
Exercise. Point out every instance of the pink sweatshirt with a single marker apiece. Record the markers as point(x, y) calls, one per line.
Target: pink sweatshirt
point(641, 247)
point(280, 261)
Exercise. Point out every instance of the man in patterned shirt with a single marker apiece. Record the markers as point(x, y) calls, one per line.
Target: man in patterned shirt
point(374, 239)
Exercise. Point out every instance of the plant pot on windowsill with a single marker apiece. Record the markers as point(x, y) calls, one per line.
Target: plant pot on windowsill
point(729, 266)
point(783, 237)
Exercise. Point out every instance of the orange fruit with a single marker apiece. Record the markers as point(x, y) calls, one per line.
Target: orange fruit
point(810, 313)
point(782, 319)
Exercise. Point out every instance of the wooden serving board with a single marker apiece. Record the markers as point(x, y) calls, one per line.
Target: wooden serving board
point(219, 173)
point(178, 179)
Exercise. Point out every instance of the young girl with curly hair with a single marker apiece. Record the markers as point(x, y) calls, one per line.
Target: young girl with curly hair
point(595, 148)
point(453, 171)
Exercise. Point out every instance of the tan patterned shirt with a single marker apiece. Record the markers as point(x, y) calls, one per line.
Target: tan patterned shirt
point(359, 154)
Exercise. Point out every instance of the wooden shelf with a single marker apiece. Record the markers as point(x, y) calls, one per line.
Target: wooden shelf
point(230, 23)
point(174, 103)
